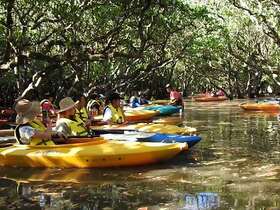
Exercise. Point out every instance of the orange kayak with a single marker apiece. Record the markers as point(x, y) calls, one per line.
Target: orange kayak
point(169, 120)
point(260, 106)
point(201, 95)
point(136, 115)
point(210, 98)
point(6, 132)
point(140, 115)
point(7, 112)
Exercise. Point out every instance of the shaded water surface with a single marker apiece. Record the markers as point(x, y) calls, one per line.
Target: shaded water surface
point(235, 166)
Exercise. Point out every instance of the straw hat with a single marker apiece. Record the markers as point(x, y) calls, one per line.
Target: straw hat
point(66, 104)
point(27, 111)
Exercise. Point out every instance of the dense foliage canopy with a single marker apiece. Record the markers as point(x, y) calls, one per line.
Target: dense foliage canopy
point(62, 47)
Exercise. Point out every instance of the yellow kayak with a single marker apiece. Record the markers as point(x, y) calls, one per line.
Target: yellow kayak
point(148, 127)
point(99, 153)
point(260, 106)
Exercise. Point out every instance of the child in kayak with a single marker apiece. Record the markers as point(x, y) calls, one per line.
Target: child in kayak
point(67, 122)
point(113, 112)
point(30, 130)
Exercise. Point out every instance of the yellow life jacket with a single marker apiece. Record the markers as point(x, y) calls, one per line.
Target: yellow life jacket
point(77, 127)
point(81, 114)
point(117, 114)
point(39, 126)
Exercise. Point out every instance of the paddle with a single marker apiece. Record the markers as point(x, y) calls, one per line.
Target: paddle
point(76, 139)
point(9, 132)
point(6, 145)
point(82, 137)
point(8, 140)
point(71, 139)
point(109, 131)
point(135, 136)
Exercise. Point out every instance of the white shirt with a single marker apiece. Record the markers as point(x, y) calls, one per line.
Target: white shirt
point(26, 133)
point(107, 115)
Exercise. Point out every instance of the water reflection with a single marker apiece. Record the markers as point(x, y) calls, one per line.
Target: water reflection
point(237, 163)
point(45, 201)
point(27, 192)
point(202, 201)
point(112, 196)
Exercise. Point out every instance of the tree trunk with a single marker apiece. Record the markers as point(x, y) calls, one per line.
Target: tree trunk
point(9, 30)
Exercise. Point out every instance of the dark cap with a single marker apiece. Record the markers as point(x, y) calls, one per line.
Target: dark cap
point(113, 96)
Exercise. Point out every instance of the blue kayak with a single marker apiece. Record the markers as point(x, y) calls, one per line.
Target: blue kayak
point(164, 110)
point(153, 137)
point(168, 138)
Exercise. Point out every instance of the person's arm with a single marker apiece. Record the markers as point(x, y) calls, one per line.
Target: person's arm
point(63, 129)
point(43, 134)
point(171, 95)
point(124, 120)
point(136, 104)
point(146, 101)
point(58, 136)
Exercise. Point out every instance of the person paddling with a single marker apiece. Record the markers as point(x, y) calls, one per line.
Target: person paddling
point(67, 122)
point(175, 97)
point(113, 112)
point(30, 130)
point(134, 100)
point(143, 98)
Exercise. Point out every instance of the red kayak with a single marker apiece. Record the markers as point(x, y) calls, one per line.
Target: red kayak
point(3, 122)
point(211, 98)
point(7, 112)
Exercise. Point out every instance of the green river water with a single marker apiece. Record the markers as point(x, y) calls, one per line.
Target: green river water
point(235, 166)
